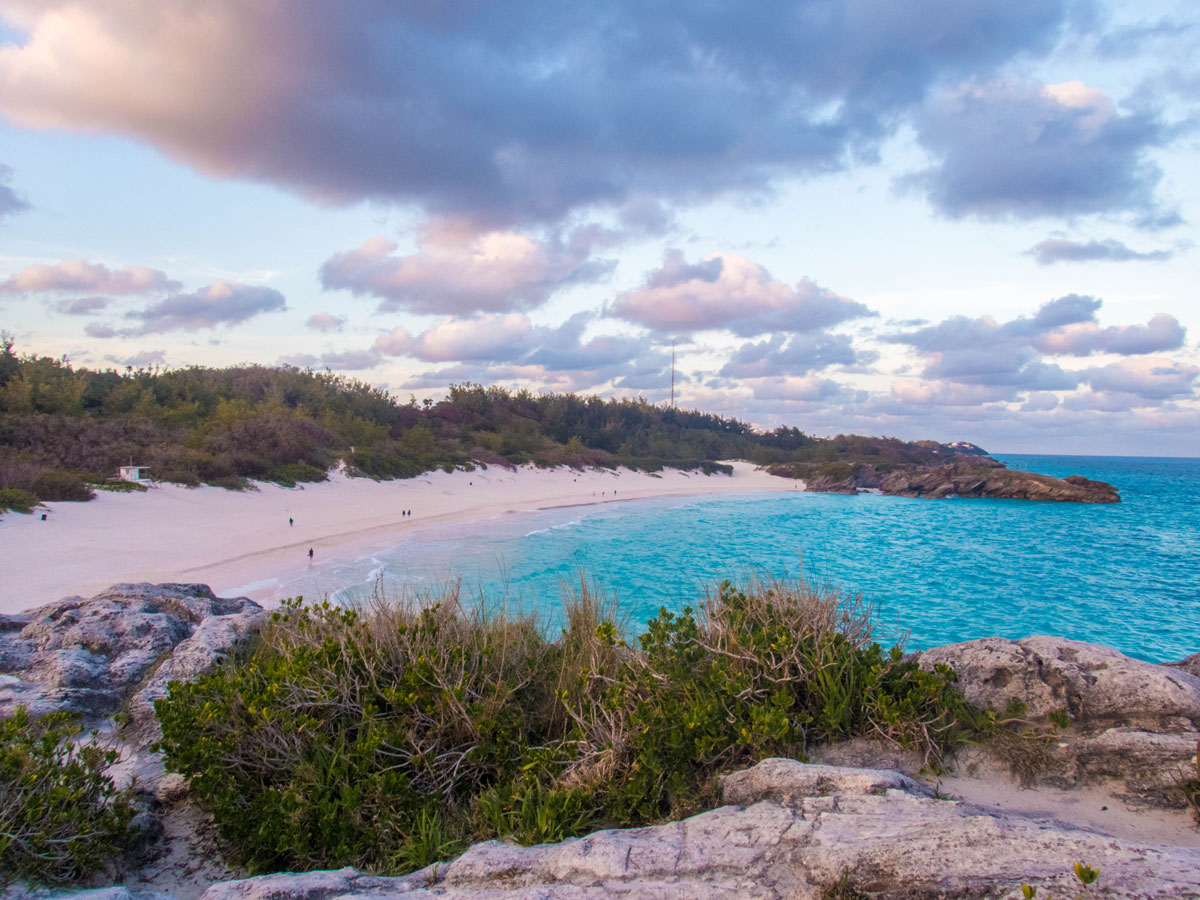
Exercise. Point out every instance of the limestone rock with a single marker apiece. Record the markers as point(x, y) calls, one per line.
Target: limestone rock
point(1151, 765)
point(90, 655)
point(793, 831)
point(1191, 664)
point(1093, 683)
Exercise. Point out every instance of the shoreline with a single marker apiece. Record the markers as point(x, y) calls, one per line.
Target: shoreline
point(234, 540)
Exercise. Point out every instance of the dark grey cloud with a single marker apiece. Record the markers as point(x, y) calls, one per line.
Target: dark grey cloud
point(220, 303)
point(1056, 250)
point(9, 201)
point(1008, 149)
point(512, 111)
point(730, 292)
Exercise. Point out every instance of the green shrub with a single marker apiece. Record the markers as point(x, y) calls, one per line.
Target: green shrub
point(291, 474)
point(62, 486)
point(120, 487)
point(60, 817)
point(17, 500)
point(389, 737)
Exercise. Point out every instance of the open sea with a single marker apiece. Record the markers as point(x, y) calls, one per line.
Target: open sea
point(1126, 575)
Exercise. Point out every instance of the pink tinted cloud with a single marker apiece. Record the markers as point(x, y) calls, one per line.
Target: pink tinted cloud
point(80, 275)
point(726, 291)
point(459, 270)
point(487, 337)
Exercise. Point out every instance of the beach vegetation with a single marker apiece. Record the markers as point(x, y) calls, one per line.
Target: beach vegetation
point(64, 428)
point(61, 817)
point(17, 500)
point(389, 736)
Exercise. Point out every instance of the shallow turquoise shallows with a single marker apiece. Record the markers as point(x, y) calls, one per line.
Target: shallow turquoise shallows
point(1127, 575)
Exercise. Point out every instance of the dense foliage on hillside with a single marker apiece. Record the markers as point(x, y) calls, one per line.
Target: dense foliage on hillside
point(64, 430)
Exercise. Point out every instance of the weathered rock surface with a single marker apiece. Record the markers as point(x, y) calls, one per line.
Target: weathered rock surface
point(1190, 664)
point(791, 830)
point(1093, 683)
point(89, 656)
point(1132, 721)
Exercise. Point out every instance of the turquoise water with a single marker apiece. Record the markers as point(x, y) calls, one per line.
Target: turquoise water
point(944, 570)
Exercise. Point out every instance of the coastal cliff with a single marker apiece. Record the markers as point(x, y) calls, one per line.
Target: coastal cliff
point(875, 822)
point(960, 475)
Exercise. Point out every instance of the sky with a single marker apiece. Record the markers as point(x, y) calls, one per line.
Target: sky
point(950, 219)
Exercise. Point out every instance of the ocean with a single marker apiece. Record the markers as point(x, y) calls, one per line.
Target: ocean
point(935, 571)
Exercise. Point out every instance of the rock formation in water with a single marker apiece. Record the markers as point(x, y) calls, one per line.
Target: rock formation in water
point(786, 829)
point(962, 476)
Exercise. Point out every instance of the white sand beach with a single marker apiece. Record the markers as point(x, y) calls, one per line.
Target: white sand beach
point(229, 539)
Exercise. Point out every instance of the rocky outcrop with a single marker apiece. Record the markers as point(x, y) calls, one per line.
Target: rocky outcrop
point(787, 830)
point(962, 476)
point(1092, 683)
point(1133, 721)
point(90, 656)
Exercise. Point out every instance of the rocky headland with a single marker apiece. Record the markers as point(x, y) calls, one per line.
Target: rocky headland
point(960, 475)
point(863, 815)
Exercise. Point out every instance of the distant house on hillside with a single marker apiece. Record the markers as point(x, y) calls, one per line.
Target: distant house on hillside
point(134, 474)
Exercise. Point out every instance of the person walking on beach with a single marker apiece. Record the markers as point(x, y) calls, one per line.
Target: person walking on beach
point(310, 555)
point(290, 522)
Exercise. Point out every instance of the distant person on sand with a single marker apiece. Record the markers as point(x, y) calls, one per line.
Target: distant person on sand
point(290, 522)
point(310, 554)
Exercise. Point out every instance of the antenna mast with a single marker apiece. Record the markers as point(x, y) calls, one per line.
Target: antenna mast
point(672, 374)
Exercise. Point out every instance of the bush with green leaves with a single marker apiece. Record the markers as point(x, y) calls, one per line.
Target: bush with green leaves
point(61, 817)
point(17, 500)
point(388, 737)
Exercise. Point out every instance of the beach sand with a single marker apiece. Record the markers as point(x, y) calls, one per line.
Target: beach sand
point(230, 539)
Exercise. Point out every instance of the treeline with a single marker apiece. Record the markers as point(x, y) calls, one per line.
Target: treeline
point(65, 430)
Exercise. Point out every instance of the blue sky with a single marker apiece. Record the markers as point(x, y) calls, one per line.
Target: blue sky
point(958, 219)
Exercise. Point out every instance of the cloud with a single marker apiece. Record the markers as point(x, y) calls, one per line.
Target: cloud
point(9, 201)
point(82, 306)
point(509, 110)
point(495, 338)
point(1013, 355)
point(458, 270)
point(804, 389)
point(495, 347)
point(725, 291)
point(1016, 150)
point(80, 275)
point(140, 359)
point(220, 303)
point(337, 360)
point(1055, 250)
point(1162, 332)
point(99, 330)
point(795, 355)
point(325, 322)
point(1151, 379)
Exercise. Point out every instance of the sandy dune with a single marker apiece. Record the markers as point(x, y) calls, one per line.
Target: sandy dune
point(229, 539)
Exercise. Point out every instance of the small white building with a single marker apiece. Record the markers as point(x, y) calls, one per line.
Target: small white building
point(134, 474)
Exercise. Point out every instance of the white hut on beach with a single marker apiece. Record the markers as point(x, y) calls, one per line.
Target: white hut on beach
point(134, 474)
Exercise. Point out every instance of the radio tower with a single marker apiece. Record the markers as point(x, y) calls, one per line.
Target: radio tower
point(672, 374)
